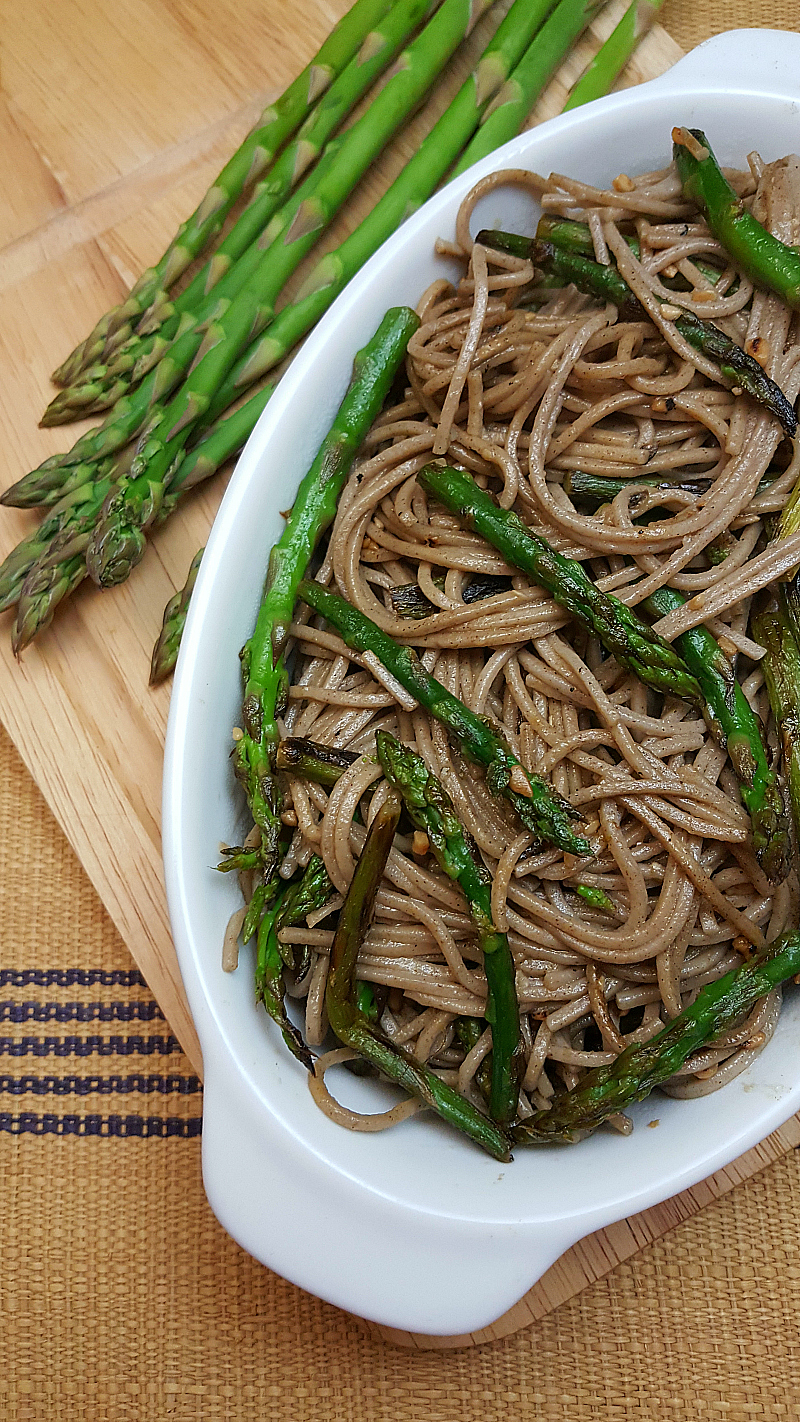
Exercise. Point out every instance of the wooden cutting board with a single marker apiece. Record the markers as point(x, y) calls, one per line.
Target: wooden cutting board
point(113, 121)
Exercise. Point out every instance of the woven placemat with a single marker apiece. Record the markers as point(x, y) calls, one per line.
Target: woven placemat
point(122, 1298)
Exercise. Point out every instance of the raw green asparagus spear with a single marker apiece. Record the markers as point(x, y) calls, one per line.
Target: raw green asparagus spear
point(277, 123)
point(511, 106)
point(313, 510)
point(773, 628)
point(118, 541)
point(165, 651)
point(542, 810)
point(20, 560)
point(329, 277)
point(765, 259)
point(621, 630)
point(604, 282)
point(639, 1068)
point(99, 385)
point(735, 726)
point(356, 1030)
point(610, 60)
point(311, 761)
point(411, 188)
point(60, 564)
point(431, 810)
point(58, 571)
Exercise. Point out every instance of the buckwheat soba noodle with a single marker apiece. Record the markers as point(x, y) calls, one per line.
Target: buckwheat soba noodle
point(536, 390)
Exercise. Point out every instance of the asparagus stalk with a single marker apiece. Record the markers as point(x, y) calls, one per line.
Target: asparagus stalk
point(165, 651)
point(291, 906)
point(313, 510)
point(567, 265)
point(416, 182)
point(641, 1067)
point(311, 761)
point(699, 672)
point(431, 810)
point(277, 123)
point(621, 630)
point(766, 260)
point(735, 726)
point(410, 189)
point(539, 807)
point(287, 239)
point(510, 107)
point(100, 385)
point(38, 577)
point(355, 1029)
point(594, 490)
point(774, 629)
point(603, 71)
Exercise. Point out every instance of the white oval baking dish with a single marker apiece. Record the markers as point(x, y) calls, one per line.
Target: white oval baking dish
point(415, 1228)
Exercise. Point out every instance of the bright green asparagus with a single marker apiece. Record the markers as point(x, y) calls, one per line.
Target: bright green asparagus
point(639, 1068)
point(766, 260)
point(100, 385)
point(165, 651)
point(431, 810)
point(38, 576)
point(117, 543)
point(510, 108)
point(542, 811)
point(612, 56)
point(313, 510)
point(329, 277)
point(355, 1030)
point(277, 123)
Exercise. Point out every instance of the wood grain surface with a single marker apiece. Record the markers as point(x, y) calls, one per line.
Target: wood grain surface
point(113, 121)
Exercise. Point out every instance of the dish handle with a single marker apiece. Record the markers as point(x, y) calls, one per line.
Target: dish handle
point(322, 1230)
point(753, 61)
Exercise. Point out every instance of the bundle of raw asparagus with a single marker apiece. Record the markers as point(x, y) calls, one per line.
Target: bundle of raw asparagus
point(174, 362)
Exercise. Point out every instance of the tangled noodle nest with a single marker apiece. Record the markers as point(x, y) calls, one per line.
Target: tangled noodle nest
point(523, 388)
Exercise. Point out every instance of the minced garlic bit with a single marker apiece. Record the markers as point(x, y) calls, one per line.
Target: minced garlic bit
point(519, 783)
point(670, 313)
point(237, 734)
point(702, 295)
point(420, 844)
point(622, 184)
point(758, 348)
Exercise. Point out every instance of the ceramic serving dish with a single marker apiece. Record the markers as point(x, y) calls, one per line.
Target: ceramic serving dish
point(415, 1227)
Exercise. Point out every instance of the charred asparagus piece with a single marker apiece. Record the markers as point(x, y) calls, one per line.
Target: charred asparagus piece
point(541, 809)
point(569, 264)
point(642, 1066)
point(431, 810)
point(356, 1030)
